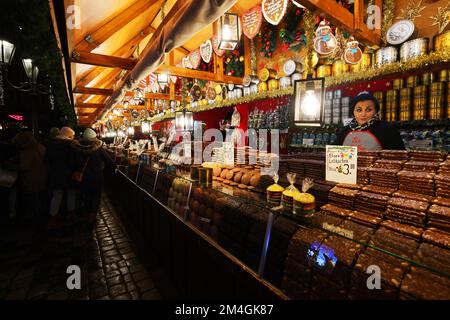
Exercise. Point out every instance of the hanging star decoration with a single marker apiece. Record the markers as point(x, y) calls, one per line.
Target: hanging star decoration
point(412, 11)
point(442, 18)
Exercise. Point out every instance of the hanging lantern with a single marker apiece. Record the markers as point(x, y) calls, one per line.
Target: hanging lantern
point(308, 102)
point(184, 120)
point(163, 80)
point(6, 52)
point(229, 31)
point(31, 70)
point(146, 127)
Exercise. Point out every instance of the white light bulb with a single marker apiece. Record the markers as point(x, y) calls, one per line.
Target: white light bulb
point(310, 105)
point(227, 32)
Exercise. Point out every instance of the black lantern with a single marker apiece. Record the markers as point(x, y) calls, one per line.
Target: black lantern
point(31, 70)
point(163, 80)
point(229, 31)
point(184, 120)
point(308, 102)
point(6, 52)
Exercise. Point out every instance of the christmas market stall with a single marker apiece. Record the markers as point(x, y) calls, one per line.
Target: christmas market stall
point(225, 118)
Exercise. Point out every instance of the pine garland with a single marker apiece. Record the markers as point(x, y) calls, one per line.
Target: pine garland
point(267, 39)
point(291, 37)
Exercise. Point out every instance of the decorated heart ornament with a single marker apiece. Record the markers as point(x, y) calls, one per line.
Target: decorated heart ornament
point(187, 63)
point(206, 50)
point(195, 58)
point(251, 22)
point(215, 43)
point(274, 10)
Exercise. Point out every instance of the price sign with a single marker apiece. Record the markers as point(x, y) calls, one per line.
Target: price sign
point(228, 153)
point(187, 154)
point(155, 144)
point(341, 164)
point(308, 142)
point(426, 144)
point(228, 191)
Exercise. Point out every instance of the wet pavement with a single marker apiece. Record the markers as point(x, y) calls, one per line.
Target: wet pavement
point(34, 261)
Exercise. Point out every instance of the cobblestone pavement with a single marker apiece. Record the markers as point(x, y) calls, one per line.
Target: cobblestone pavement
point(34, 261)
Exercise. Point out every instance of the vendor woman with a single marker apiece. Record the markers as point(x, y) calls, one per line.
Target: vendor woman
point(366, 130)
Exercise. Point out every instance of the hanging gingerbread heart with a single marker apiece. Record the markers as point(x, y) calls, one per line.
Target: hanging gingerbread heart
point(195, 58)
point(274, 10)
point(251, 22)
point(187, 63)
point(206, 50)
point(215, 43)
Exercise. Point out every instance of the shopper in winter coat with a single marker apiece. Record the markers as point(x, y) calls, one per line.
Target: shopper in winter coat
point(60, 155)
point(367, 131)
point(91, 159)
point(32, 170)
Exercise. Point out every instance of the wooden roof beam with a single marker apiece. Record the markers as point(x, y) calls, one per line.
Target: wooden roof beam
point(195, 74)
point(102, 60)
point(93, 91)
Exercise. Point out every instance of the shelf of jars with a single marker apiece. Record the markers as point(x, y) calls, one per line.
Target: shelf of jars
point(205, 105)
point(424, 61)
point(349, 228)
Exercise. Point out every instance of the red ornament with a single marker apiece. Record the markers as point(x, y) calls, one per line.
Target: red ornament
point(298, 12)
point(269, 54)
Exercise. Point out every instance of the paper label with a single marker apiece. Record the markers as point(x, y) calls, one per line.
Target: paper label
point(341, 164)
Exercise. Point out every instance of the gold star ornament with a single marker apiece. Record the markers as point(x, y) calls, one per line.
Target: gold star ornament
point(412, 11)
point(442, 18)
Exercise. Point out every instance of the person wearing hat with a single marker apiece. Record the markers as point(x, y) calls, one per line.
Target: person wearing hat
point(59, 158)
point(90, 161)
point(366, 130)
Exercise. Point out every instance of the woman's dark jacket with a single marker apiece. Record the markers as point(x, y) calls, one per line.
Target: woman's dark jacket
point(60, 162)
point(96, 158)
point(387, 135)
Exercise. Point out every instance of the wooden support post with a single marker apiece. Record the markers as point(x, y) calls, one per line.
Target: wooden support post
point(247, 56)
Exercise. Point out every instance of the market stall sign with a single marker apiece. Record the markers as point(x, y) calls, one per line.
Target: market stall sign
point(251, 22)
point(195, 58)
point(215, 43)
point(206, 50)
point(274, 10)
point(341, 164)
point(228, 152)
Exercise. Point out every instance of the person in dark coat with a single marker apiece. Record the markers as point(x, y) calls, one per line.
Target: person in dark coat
point(91, 159)
point(32, 170)
point(366, 130)
point(59, 158)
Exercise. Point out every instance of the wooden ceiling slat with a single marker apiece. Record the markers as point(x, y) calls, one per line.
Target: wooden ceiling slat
point(93, 91)
point(112, 25)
